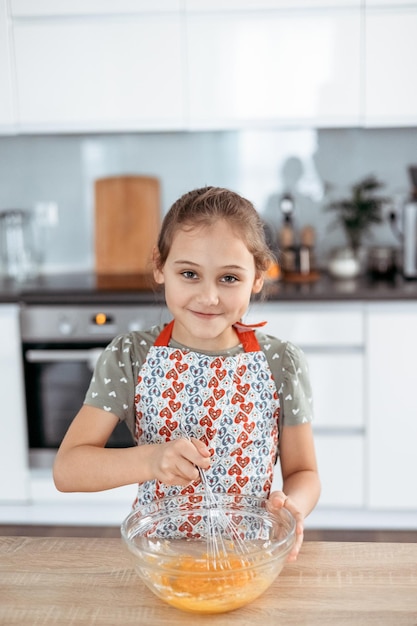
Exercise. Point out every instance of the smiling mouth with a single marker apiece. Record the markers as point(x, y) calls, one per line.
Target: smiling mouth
point(205, 315)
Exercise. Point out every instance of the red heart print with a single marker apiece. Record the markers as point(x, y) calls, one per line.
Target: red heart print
point(211, 432)
point(165, 413)
point(220, 374)
point(247, 407)
point(218, 393)
point(249, 427)
point(177, 385)
point(174, 406)
point(233, 489)
point(181, 367)
point(238, 451)
point(237, 397)
point(242, 437)
point(241, 417)
point(194, 519)
point(214, 414)
point(185, 527)
point(246, 444)
point(172, 374)
point(243, 388)
point(176, 355)
point(168, 393)
point(267, 486)
point(235, 469)
point(189, 489)
point(209, 401)
point(206, 421)
point(241, 370)
point(172, 425)
point(243, 461)
point(164, 431)
point(216, 363)
point(242, 480)
point(213, 382)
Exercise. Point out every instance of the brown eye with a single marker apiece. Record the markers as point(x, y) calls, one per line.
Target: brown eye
point(189, 274)
point(229, 279)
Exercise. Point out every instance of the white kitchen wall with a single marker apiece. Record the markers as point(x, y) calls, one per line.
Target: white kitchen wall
point(260, 164)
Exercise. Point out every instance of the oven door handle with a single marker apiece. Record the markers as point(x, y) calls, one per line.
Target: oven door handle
point(64, 356)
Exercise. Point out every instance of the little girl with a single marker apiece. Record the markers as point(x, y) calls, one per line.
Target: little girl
point(205, 391)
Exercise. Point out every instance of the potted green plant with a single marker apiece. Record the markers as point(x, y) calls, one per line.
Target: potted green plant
point(356, 215)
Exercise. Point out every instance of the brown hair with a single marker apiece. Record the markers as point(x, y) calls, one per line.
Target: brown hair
point(203, 207)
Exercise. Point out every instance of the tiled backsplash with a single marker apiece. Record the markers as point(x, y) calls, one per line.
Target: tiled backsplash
point(260, 164)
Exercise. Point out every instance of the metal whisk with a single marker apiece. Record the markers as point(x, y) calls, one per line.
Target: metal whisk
point(222, 532)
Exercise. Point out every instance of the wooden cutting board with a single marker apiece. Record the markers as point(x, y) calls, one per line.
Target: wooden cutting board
point(127, 221)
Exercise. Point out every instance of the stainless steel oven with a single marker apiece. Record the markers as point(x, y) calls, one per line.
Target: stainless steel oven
point(61, 344)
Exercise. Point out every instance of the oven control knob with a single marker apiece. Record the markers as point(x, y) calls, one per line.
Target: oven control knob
point(65, 327)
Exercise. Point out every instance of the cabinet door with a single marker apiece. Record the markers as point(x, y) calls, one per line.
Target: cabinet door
point(341, 467)
point(100, 74)
point(266, 67)
point(6, 101)
point(392, 406)
point(390, 57)
point(20, 8)
point(335, 358)
point(14, 465)
point(338, 389)
point(239, 5)
point(340, 460)
point(336, 363)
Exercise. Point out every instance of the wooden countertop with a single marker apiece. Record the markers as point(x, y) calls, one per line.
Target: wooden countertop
point(84, 581)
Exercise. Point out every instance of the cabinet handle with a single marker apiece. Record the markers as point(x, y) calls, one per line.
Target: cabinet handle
point(63, 356)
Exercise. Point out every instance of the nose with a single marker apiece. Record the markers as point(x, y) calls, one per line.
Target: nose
point(208, 294)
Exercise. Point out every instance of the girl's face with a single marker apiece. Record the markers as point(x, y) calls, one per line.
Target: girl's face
point(209, 277)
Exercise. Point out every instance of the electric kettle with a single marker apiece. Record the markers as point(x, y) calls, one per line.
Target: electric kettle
point(17, 244)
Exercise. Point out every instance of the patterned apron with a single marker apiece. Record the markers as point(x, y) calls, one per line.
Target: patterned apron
point(229, 402)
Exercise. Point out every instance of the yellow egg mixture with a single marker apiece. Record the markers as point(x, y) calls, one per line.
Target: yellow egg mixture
point(211, 585)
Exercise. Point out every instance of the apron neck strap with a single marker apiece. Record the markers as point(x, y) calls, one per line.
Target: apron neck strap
point(246, 336)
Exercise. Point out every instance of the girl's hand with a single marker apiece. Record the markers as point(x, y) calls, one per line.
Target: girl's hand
point(277, 500)
point(176, 462)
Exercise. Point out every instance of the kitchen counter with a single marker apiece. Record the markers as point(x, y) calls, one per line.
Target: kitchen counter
point(91, 581)
point(87, 288)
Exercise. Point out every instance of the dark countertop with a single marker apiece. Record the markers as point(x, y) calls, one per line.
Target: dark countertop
point(87, 288)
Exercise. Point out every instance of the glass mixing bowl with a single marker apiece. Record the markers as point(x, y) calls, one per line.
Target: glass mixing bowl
point(208, 558)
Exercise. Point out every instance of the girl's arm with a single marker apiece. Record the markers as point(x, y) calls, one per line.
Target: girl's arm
point(83, 463)
point(301, 483)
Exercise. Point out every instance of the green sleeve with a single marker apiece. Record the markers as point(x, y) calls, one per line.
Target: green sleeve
point(112, 387)
point(290, 371)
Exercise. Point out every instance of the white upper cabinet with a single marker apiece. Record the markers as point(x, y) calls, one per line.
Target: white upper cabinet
point(273, 67)
point(20, 8)
point(122, 72)
point(239, 5)
point(389, 3)
point(97, 65)
point(390, 61)
point(6, 98)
